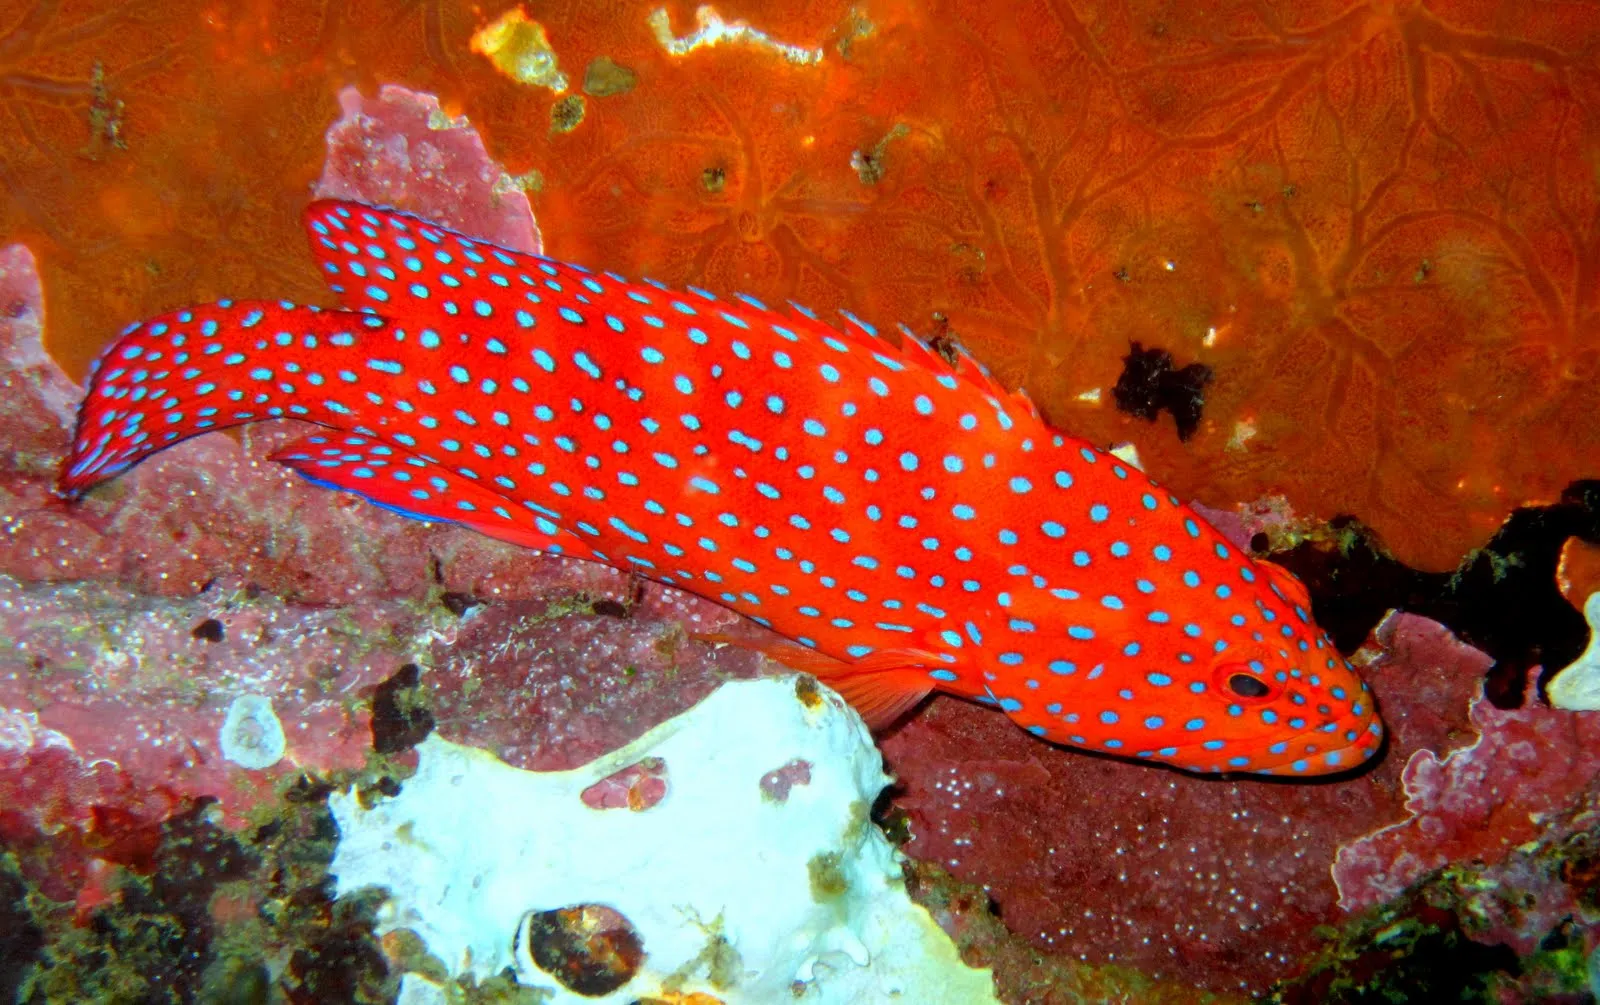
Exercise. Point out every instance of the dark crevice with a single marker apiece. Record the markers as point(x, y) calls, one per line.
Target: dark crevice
point(400, 715)
point(1503, 599)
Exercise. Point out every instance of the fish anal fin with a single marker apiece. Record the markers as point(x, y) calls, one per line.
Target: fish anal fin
point(368, 468)
point(881, 686)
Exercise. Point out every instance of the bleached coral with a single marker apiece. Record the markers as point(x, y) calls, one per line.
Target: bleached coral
point(730, 885)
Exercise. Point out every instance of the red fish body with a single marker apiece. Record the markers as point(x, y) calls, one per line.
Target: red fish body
point(908, 523)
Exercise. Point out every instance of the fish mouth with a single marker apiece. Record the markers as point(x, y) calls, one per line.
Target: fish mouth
point(1309, 753)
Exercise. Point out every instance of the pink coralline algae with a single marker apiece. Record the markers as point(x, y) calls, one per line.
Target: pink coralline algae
point(548, 693)
point(115, 704)
point(400, 149)
point(780, 781)
point(637, 787)
point(1212, 881)
point(1478, 803)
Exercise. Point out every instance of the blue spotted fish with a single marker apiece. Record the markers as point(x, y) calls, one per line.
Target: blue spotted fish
point(906, 523)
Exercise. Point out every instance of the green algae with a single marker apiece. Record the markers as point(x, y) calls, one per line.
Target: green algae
point(605, 77)
point(718, 959)
point(1412, 949)
point(232, 917)
point(1437, 940)
point(829, 883)
point(1022, 971)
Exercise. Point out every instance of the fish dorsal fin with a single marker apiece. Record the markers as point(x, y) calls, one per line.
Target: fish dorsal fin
point(387, 262)
point(881, 686)
point(978, 375)
point(965, 366)
point(1020, 399)
point(415, 487)
point(914, 349)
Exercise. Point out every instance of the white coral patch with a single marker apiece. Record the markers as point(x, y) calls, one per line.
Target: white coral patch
point(251, 735)
point(712, 30)
point(1577, 685)
point(731, 890)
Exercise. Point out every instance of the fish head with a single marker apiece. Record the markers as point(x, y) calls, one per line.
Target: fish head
point(1282, 716)
point(1238, 678)
point(1281, 699)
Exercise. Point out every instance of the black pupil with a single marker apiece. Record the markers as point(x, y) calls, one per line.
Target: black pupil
point(1246, 686)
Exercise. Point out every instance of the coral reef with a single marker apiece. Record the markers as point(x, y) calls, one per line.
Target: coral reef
point(217, 914)
point(1076, 180)
point(1528, 770)
point(117, 715)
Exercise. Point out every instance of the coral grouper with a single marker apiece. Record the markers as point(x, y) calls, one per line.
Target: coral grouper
point(909, 525)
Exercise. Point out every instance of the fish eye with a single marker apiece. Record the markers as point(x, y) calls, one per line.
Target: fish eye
point(1246, 686)
point(1245, 682)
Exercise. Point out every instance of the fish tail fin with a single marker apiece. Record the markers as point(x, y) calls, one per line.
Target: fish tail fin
point(213, 366)
point(881, 687)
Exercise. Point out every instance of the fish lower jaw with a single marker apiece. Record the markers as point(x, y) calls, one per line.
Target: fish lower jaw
point(1322, 761)
point(1304, 756)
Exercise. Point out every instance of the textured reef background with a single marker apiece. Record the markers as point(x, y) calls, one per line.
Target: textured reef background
point(1355, 246)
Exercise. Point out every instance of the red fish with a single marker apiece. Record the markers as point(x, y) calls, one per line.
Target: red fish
point(907, 523)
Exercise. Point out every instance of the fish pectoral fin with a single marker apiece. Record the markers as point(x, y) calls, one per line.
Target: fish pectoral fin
point(401, 482)
point(880, 696)
point(884, 685)
point(881, 686)
point(1287, 582)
